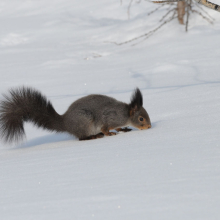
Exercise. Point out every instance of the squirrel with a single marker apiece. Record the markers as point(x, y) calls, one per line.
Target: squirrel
point(89, 117)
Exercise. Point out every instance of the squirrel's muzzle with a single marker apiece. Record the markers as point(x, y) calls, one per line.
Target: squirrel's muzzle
point(144, 127)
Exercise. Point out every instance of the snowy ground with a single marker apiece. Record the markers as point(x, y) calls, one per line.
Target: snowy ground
point(171, 171)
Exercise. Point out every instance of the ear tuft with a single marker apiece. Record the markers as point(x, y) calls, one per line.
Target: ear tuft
point(136, 99)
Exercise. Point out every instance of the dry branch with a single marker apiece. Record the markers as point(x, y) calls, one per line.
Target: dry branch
point(189, 2)
point(167, 14)
point(129, 6)
point(148, 34)
point(156, 9)
point(204, 17)
point(203, 2)
point(201, 8)
point(168, 1)
point(209, 4)
point(183, 7)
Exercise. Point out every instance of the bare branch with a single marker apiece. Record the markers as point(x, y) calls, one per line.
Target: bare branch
point(201, 8)
point(147, 35)
point(209, 4)
point(203, 2)
point(168, 1)
point(167, 14)
point(153, 31)
point(170, 6)
point(187, 5)
point(129, 6)
point(156, 9)
point(204, 17)
point(187, 13)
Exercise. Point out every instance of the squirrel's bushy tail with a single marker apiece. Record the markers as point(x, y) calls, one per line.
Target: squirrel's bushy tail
point(26, 104)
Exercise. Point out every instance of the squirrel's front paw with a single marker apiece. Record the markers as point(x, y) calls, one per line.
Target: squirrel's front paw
point(123, 129)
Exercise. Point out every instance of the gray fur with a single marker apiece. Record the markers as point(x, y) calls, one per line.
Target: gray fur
point(84, 118)
point(89, 114)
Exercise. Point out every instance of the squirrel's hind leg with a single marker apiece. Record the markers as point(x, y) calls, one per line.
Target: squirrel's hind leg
point(100, 135)
point(123, 129)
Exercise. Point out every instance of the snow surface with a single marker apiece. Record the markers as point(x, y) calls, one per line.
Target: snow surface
point(171, 171)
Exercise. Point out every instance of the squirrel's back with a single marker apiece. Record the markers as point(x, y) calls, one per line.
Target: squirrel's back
point(97, 104)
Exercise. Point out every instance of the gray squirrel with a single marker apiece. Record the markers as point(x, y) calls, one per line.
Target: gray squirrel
point(87, 118)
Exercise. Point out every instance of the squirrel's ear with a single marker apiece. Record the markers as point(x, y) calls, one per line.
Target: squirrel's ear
point(136, 101)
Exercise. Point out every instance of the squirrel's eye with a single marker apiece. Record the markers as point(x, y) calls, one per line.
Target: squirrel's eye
point(141, 119)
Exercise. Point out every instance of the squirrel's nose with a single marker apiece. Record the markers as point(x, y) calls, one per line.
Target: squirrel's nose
point(149, 126)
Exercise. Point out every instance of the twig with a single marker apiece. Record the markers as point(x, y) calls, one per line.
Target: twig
point(169, 6)
point(168, 1)
point(202, 2)
point(201, 8)
point(153, 31)
point(155, 9)
point(189, 2)
point(146, 35)
point(167, 14)
point(203, 16)
point(170, 9)
point(128, 11)
point(209, 4)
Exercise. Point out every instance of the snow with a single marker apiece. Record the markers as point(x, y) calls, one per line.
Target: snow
point(171, 171)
